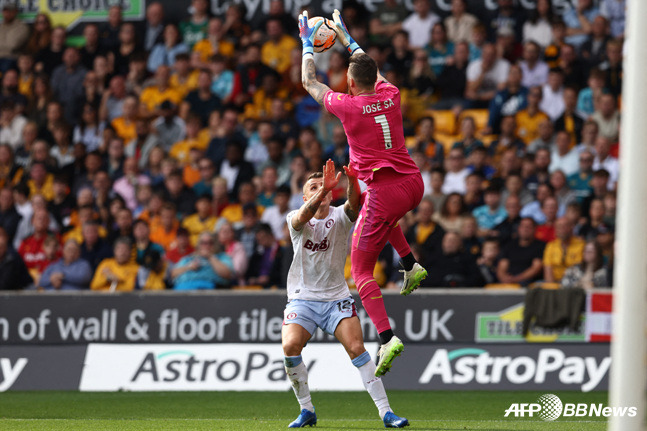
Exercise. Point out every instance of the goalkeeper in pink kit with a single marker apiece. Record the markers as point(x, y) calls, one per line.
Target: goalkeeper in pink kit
point(372, 120)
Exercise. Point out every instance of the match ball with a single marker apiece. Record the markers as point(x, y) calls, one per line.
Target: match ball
point(325, 37)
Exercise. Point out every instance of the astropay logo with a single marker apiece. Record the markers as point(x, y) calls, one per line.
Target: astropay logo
point(549, 407)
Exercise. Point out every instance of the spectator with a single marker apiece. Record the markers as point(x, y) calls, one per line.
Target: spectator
point(265, 264)
point(181, 248)
point(573, 67)
point(386, 21)
point(578, 21)
point(149, 258)
point(535, 71)
point(552, 102)
point(473, 196)
point(485, 77)
point(563, 252)
point(580, 181)
point(89, 131)
point(213, 44)
point(276, 50)
point(11, 125)
point(48, 58)
point(452, 82)
point(153, 26)
point(594, 50)
point(506, 231)
point(590, 273)
point(141, 146)
point(612, 67)
point(207, 268)
point(595, 224)
point(13, 35)
point(521, 259)
point(195, 29)
point(10, 90)
point(452, 213)
point(32, 247)
point(614, 11)
point(570, 121)
point(235, 250)
point(113, 99)
point(419, 24)
point(488, 261)
point(460, 23)
point(201, 221)
point(607, 117)
point(202, 101)
point(562, 157)
point(118, 273)
point(9, 216)
point(508, 17)
point(509, 101)
point(67, 80)
point(454, 268)
point(68, 273)
point(274, 215)
point(563, 194)
point(164, 54)
point(154, 96)
point(93, 249)
point(92, 47)
point(440, 49)
point(13, 272)
point(546, 138)
point(235, 169)
point(165, 233)
point(588, 97)
point(537, 28)
point(169, 127)
point(546, 231)
point(491, 214)
point(603, 160)
point(456, 172)
point(426, 233)
point(41, 34)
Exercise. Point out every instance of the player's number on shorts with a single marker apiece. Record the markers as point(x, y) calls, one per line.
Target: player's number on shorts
point(386, 131)
point(344, 306)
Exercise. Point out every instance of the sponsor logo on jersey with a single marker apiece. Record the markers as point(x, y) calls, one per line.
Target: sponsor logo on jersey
point(320, 246)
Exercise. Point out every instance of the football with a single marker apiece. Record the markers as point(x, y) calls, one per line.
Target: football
point(326, 36)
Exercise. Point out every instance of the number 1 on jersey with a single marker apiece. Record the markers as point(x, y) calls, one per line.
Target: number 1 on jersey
point(382, 121)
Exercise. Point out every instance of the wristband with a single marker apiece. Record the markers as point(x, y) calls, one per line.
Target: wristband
point(307, 54)
point(308, 50)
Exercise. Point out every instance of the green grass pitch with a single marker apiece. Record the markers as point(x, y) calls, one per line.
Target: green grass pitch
point(258, 411)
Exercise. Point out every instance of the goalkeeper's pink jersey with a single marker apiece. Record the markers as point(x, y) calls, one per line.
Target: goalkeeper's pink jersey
point(373, 125)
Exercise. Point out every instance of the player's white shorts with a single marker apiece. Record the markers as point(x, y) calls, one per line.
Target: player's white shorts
point(313, 314)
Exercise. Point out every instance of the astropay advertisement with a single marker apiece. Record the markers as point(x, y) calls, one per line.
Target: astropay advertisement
point(199, 367)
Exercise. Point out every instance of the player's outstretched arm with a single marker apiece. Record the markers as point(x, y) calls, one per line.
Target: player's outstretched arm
point(308, 71)
point(310, 207)
point(351, 207)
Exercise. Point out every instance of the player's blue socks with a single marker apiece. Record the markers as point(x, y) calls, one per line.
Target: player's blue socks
point(361, 359)
point(292, 361)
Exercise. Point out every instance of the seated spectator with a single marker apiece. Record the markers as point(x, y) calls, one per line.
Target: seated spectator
point(163, 54)
point(612, 67)
point(265, 264)
point(426, 233)
point(514, 187)
point(460, 23)
point(118, 273)
point(478, 164)
point(535, 71)
point(233, 213)
point(589, 274)
point(165, 233)
point(152, 268)
point(552, 101)
point(426, 143)
point(506, 231)
point(545, 139)
point(440, 49)
point(529, 119)
point(207, 268)
point(276, 50)
point(419, 24)
point(68, 273)
point(214, 43)
point(152, 97)
point(201, 221)
point(468, 134)
point(534, 209)
point(454, 268)
point(521, 258)
point(546, 231)
point(507, 139)
point(178, 194)
point(32, 248)
point(488, 261)
point(93, 249)
point(578, 21)
point(593, 52)
point(452, 82)
point(587, 97)
point(125, 186)
point(275, 215)
point(456, 172)
point(386, 21)
point(485, 77)
point(571, 121)
point(12, 124)
point(469, 236)
point(143, 144)
point(269, 184)
point(563, 252)
point(123, 225)
point(235, 250)
point(491, 214)
point(452, 213)
point(563, 194)
point(201, 101)
point(181, 248)
point(562, 157)
point(595, 223)
point(13, 272)
point(508, 101)
point(605, 161)
point(9, 216)
point(607, 117)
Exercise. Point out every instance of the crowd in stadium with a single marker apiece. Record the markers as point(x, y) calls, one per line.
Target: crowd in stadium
point(166, 155)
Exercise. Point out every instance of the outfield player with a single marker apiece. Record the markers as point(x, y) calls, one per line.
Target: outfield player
point(372, 120)
point(318, 295)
